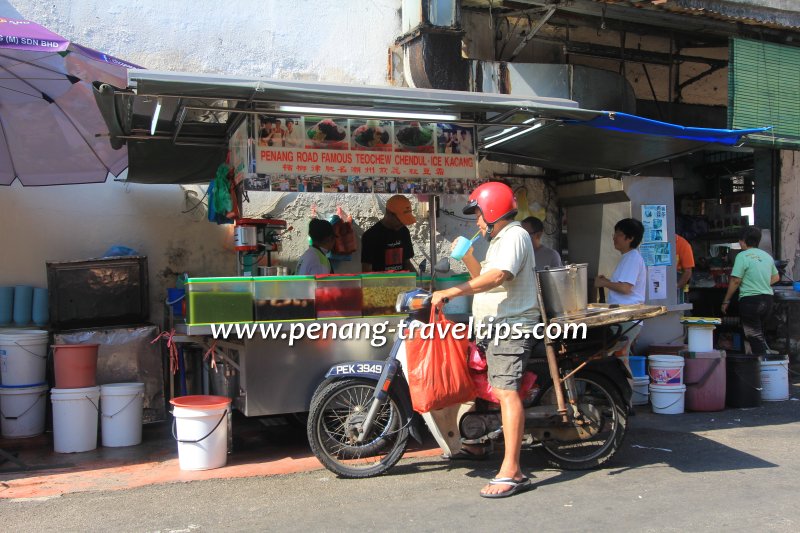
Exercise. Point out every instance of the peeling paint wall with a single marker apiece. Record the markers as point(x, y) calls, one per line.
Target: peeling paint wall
point(367, 209)
point(344, 41)
point(79, 222)
point(789, 215)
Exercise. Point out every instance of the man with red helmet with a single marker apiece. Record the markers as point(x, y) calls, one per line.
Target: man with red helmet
point(505, 293)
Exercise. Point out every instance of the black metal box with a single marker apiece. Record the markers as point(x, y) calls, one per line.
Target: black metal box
point(111, 291)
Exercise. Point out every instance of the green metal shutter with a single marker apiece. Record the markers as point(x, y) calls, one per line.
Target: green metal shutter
point(764, 90)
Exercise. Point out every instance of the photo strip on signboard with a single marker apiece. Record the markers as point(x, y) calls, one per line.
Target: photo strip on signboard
point(325, 133)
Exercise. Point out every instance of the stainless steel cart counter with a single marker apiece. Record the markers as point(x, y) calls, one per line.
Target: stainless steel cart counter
point(276, 378)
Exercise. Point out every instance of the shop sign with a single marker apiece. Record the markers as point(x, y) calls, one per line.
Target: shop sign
point(323, 146)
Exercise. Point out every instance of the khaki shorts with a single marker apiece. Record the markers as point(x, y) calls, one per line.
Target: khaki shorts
point(506, 362)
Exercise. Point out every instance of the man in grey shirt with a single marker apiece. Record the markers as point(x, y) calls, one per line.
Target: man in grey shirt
point(545, 257)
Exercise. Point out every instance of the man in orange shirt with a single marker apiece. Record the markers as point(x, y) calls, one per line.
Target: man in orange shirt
point(684, 263)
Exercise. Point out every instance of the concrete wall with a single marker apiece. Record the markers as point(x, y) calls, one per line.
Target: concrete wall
point(788, 201)
point(344, 41)
point(367, 209)
point(82, 221)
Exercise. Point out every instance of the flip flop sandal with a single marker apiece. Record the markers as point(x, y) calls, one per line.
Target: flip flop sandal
point(516, 486)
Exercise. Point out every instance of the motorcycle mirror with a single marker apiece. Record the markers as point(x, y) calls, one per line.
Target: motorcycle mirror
point(423, 266)
point(442, 266)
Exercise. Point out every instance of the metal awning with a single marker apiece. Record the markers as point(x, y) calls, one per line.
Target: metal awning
point(198, 112)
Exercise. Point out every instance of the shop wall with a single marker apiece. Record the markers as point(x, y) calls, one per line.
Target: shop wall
point(344, 41)
point(76, 222)
point(367, 209)
point(789, 199)
point(480, 43)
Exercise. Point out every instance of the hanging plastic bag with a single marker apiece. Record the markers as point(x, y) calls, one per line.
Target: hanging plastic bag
point(437, 367)
point(345, 234)
point(480, 377)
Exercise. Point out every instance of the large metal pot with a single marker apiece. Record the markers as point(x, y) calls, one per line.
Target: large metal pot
point(565, 290)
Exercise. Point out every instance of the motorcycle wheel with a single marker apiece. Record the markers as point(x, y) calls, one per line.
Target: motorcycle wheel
point(336, 409)
point(609, 416)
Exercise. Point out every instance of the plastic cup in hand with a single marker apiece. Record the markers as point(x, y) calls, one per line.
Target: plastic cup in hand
point(461, 247)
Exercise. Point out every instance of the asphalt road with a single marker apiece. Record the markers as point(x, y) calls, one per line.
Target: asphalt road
point(731, 471)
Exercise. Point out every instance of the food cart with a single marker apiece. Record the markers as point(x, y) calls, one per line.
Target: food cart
point(180, 127)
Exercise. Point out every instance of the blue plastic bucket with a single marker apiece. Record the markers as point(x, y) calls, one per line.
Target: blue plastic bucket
point(6, 305)
point(175, 300)
point(23, 303)
point(40, 312)
point(637, 363)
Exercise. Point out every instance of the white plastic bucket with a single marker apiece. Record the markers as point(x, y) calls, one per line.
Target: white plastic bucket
point(23, 356)
point(667, 399)
point(121, 414)
point(775, 379)
point(75, 413)
point(641, 395)
point(202, 434)
point(22, 411)
point(701, 338)
point(666, 369)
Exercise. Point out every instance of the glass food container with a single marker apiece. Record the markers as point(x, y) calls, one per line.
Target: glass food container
point(338, 295)
point(218, 300)
point(380, 291)
point(284, 298)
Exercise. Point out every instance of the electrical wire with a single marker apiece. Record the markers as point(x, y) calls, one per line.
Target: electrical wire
point(198, 204)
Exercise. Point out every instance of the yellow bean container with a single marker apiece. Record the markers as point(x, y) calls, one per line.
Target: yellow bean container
point(380, 291)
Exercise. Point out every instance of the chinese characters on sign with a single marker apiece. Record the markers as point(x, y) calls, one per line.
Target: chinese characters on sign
point(319, 146)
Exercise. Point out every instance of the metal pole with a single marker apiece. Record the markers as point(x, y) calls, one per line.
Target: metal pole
point(433, 203)
point(552, 364)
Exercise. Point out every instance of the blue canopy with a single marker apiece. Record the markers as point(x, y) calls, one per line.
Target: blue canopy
point(623, 122)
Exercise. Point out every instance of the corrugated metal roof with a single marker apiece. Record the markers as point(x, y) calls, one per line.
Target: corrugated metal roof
point(770, 13)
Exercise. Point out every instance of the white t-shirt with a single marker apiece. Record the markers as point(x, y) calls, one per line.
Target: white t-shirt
point(630, 269)
point(310, 263)
point(515, 301)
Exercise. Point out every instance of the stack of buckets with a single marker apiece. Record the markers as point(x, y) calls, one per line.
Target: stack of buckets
point(641, 395)
point(23, 363)
point(78, 402)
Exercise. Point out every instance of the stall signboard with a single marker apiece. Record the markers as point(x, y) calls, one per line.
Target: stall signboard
point(335, 147)
point(240, 152)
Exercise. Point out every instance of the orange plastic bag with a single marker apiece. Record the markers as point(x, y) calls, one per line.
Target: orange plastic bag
point(345, 236)
point(438, 375)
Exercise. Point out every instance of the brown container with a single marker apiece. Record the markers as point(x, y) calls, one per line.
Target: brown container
point(666, 349)
point(705, 380)
point(75, 365)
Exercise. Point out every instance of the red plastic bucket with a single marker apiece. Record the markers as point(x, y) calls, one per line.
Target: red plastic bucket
point(75, 365)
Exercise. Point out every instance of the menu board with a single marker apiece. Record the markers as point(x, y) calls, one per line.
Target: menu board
point(384, 149)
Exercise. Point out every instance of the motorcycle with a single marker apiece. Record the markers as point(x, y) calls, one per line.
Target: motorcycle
point(361, 415)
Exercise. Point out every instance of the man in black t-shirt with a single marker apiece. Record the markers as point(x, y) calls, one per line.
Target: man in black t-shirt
point(386, 246)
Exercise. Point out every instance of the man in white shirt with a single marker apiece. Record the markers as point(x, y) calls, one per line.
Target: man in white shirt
point(504, 288)
point(315, 260)
point(629, 281)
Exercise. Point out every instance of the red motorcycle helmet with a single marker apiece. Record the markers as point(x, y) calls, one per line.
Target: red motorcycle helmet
point(494, 200)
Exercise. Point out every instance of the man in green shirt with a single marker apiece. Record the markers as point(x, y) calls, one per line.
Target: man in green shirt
point(753, 274)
